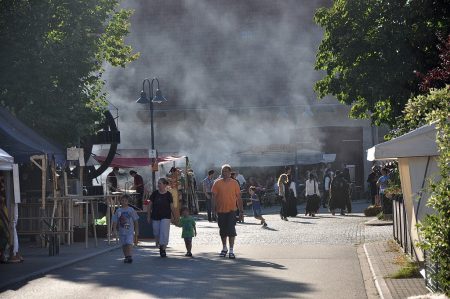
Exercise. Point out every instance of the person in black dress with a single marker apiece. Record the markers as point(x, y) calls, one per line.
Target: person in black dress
point(160, 214)
point(283, 193)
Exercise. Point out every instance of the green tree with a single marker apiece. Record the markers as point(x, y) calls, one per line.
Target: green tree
point(51, 59)
point(371, 50)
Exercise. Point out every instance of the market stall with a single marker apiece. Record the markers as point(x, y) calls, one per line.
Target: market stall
point(416, 154)
point(9, 200)
point(175, 168)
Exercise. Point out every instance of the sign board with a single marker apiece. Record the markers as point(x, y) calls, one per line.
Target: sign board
point(76, 154)
point(73, 154)
point(152, 153)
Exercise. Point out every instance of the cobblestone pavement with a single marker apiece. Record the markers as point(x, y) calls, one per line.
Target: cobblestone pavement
point(321, 229)
point(313, 250)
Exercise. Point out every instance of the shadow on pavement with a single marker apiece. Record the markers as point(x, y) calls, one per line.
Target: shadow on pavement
point(270, 228)
point(302, 222)
point(354, 215)
point(178, 276)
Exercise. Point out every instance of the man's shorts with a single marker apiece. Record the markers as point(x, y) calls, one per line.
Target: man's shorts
point(227, 224)
point(188, 239)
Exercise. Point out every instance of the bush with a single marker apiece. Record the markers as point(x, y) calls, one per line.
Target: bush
point(371, 211)
point(435, 228)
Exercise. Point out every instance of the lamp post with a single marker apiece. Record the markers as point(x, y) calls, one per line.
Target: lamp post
point(144, 100)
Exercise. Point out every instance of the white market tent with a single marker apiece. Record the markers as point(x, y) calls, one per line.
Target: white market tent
point(6, 161)
point(417, 143)
point(416, 154)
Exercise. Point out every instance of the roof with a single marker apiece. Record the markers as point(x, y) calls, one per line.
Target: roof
point(420, 142)
point(279, 155)
point(21, 142)
point(129, 158)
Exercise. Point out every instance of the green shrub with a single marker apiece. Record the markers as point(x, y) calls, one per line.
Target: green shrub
point(435, 228)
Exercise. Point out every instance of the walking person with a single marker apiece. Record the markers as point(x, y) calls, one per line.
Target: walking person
point(347, 177)
point(290, 194)
point(138, 185)
point(291, 199)
point(227, 195)
point(160, 212)
point(326, 188)
point(282, 187)
point(239, 217)
point(125, 221)
point(187, 223)
point(372, 179)
point(111, 180)
point(256, 205)
point(312, 196)
point(382, 184)
point(207, 184)
point(339, 193)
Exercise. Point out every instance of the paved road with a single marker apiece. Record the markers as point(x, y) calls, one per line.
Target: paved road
point(303, 258)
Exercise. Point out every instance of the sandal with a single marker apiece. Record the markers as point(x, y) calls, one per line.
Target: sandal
point(231, 256)
point(223, 253)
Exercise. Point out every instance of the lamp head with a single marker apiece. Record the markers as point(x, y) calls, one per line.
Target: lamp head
point(72, 165)
point(143, 98)
point(159, 97)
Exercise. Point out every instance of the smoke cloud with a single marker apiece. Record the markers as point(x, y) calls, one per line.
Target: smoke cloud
point(236, 74)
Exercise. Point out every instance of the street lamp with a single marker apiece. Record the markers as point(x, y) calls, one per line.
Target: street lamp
point(144, 100)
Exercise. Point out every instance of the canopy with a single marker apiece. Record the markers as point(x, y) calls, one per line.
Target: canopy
point(129, 158)
point(21, 142)
point(6, 161)
point(420, 142)
point(279, 155)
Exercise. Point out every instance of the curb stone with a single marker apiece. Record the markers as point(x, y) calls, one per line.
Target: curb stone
point(380, 283)
point(377, 222)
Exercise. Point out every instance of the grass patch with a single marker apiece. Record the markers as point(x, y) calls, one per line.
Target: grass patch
point(380, 216)
point(392, 246)
point(409, 269)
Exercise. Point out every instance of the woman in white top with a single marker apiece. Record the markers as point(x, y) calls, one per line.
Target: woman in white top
point(312, 196)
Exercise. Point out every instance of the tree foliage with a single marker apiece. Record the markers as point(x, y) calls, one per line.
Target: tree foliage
point(371, 50)
point(439, 76)
point(51, 57)
point(434, 107)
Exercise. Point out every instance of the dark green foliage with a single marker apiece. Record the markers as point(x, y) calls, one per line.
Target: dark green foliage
point(51, 57)
point(435, 229)
point(372, 49)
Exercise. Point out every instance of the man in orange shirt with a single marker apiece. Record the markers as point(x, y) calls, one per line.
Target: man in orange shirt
point(227, 195)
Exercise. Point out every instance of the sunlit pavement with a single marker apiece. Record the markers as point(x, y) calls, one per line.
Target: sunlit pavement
point(305, 257)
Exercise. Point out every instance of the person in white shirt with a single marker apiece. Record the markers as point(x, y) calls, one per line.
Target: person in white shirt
point(312, 196)
point(326, 188)
point(240, 179)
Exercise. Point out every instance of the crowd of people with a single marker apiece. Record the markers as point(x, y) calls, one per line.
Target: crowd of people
point(224, 192)
point(225, 206)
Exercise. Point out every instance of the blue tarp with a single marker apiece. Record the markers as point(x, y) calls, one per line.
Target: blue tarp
point(21, 142)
